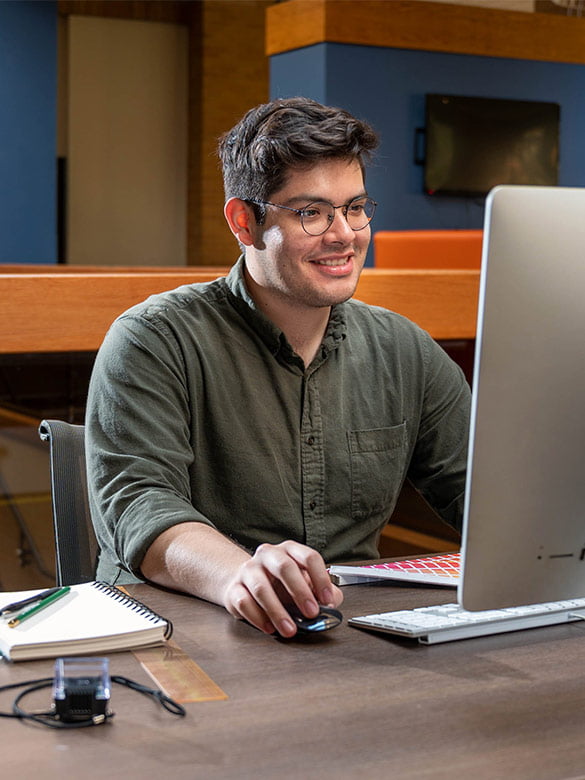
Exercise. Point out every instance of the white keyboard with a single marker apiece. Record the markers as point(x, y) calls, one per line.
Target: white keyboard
point(450, 621)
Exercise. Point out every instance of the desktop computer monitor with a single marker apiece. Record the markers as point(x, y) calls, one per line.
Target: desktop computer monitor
point(524, 526)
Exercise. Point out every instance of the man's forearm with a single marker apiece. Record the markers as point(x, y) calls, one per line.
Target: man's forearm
point(195, 558)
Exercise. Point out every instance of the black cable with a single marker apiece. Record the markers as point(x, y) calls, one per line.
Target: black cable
point(3, 688)
point(52, 721)
point(169, 704)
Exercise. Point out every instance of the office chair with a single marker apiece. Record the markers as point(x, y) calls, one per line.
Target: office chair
point(76, 546)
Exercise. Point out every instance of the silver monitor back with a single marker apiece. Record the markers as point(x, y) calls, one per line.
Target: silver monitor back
point(524, 526)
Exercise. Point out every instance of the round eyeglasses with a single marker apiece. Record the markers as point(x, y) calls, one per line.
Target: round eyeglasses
point(317, 217)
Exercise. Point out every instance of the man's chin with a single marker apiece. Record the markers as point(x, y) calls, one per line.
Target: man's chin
point(333, 297)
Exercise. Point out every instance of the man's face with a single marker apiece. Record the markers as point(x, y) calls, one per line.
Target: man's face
point(310, 271)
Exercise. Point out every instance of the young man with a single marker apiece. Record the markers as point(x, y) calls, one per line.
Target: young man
point(243, 432)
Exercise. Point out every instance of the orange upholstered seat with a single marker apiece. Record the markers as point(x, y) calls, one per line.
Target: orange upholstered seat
point(428, 249)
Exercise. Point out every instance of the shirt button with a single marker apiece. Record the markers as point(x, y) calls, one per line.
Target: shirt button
point(311, 441)
point(312, 505)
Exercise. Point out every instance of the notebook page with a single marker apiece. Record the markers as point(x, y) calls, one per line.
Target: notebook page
point(83, 615)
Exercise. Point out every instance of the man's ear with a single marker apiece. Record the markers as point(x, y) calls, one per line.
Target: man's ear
point(241, 220)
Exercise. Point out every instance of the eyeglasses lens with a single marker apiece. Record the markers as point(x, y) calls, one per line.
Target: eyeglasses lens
point(317, 217)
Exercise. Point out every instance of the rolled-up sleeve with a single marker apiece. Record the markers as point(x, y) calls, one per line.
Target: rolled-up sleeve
point(138, 441)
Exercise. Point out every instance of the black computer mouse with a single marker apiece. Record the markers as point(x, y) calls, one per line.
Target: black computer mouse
point(327, 618)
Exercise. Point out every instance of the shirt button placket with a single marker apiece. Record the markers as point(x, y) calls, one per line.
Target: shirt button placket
point(313, 465)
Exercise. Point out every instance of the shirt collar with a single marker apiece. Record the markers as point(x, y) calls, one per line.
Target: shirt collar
point(273, 337)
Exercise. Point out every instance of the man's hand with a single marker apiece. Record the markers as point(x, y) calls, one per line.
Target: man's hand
point(197, 559)
point(275, 575)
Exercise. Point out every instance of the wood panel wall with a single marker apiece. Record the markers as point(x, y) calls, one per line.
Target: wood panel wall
point(228, 74)
point(233, 79)
point(427, 26)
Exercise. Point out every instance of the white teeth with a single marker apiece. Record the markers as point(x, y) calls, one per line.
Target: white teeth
point(331, 262)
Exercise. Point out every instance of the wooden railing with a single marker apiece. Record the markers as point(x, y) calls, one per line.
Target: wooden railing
point(69, 309)
point(62, 309)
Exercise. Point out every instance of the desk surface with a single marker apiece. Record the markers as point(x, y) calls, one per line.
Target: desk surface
point(345, 704)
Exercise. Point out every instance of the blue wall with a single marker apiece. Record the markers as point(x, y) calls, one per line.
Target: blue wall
point(387, 87)
point(28, 94)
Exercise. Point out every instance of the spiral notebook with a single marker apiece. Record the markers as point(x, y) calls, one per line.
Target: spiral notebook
point(92, 618)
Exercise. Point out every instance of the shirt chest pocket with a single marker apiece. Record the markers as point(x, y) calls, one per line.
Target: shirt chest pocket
point(377, 468)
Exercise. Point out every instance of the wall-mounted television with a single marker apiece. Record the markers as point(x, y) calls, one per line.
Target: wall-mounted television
point(474, 143)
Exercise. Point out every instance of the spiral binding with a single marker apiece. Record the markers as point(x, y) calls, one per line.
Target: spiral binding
point(134, 604)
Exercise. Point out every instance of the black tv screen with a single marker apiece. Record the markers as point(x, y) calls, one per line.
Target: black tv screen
point(473, 144)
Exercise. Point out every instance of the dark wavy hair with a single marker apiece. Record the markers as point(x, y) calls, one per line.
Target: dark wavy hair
point(273, 138)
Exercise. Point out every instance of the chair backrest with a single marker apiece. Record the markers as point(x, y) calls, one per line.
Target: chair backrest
point(76, 547)
point(428, 249)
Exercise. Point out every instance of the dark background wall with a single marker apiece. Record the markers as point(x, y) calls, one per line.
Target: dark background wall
point(28, 92)
point(387, 87)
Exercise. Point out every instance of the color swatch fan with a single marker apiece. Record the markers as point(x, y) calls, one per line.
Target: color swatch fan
point(430, 570)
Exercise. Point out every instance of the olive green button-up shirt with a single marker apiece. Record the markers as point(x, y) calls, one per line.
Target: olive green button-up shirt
point(199, 410)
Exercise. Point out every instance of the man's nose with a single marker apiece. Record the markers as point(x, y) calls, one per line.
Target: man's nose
point(340, 229)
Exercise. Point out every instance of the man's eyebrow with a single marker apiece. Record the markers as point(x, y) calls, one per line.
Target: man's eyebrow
point(306, 199)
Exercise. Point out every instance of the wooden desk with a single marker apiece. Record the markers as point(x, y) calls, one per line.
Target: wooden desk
point(346, 704)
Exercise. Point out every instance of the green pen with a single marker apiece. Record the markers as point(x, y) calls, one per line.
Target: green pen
point(17, 619)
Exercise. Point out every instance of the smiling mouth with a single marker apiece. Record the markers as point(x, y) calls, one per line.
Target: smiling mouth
point(332, 261)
